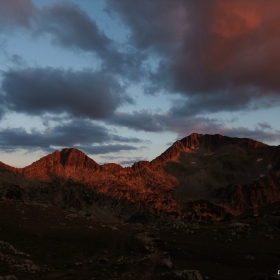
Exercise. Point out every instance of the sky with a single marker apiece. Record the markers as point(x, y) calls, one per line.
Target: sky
point(122, 80)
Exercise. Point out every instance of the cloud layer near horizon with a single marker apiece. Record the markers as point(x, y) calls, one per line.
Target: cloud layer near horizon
point(218, 56)
point(82, 134)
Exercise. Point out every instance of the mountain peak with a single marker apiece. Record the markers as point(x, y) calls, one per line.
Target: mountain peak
point(73, 156)
point(62, 163)
point(210, 142)
point(213, 141)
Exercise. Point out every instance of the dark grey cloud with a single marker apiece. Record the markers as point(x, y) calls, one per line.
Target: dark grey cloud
point(248, 99)
point(70, 26)
point(142, 120)
point(64, 135)
point(265, 125)
point(223, 52)
point(76, 133)
point(119, 138)
point(155, 25)
point(16, 13)
point(35, 91)
point(12, 139)
point(17, 60)
point(2, 108)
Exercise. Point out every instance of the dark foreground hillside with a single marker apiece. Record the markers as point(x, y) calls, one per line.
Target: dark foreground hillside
point(45, 242)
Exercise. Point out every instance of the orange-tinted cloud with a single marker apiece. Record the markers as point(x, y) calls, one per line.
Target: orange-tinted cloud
point(228, 59)
point(244, 41)
point(16, 12)
point(232, 19)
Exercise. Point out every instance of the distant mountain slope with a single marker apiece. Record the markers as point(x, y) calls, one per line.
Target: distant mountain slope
point(203, 163)
point(227, 172)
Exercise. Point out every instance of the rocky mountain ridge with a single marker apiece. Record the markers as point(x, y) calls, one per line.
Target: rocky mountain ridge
point(231, 174)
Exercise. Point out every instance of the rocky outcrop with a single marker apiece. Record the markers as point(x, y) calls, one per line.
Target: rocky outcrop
point(171, 154)
point(205, 210)
point(262, 191)
point(8, 277)
point(188, 274)
point(18, 260)
point(215, 141)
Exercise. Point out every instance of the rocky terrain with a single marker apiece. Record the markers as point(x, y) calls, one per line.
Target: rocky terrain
point(198, 177)
point(40, 241)
point(164, 219)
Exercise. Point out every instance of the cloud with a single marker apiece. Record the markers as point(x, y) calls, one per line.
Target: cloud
point(81, 134)
point(220, 55)
point(35, 91)
point(65, 135)
point(130, 161)
point(265, 125)
point(2, 108)
point(119, 138)
point(105, 149)
point(256, 134)
point(16, 13)
point(122, 160)
point(237, 99)
point(17, 60)
point(70, 26)
point(12, 139)
point(154, 25)
point(184, 126)
point(143, 120)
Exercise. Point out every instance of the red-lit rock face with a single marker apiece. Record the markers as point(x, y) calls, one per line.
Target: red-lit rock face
point(63, 164)
point(262, 191)
point(230, 172)
point(139, 184)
